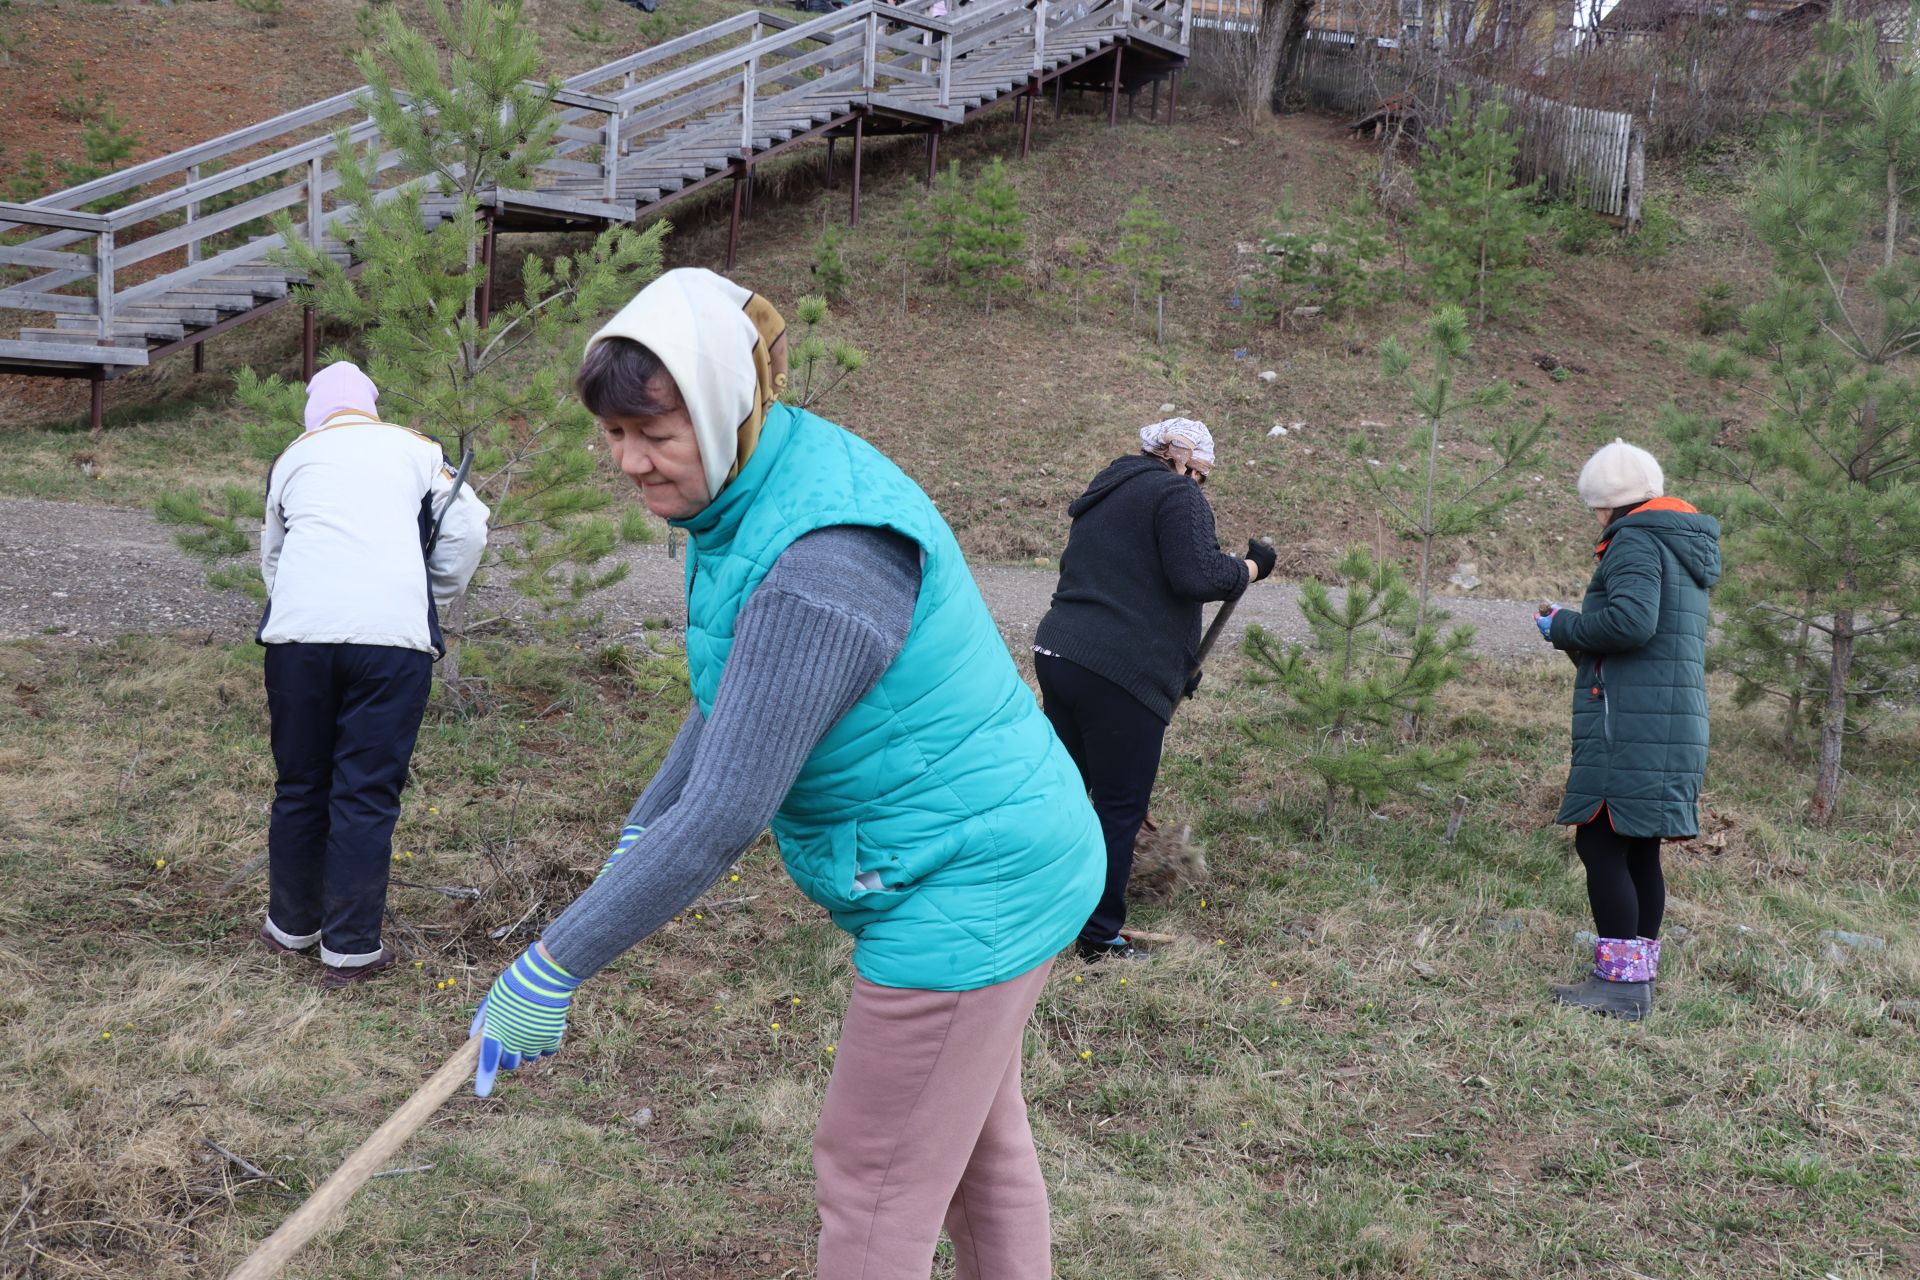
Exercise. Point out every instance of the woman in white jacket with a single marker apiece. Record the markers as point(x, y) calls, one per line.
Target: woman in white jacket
point(352, 629)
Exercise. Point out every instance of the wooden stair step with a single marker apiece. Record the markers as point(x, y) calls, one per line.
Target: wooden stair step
point(71, 336)
point(77, 326)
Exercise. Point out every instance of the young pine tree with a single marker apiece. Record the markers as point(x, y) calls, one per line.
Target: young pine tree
point(1473, 220)
point(1821, 499)
point(1148, 254)
point(935, 224)
point(992, 237)
point(815, 364)
point(1080, 275)
point(1344, 269)
point(831, 279)
point(1441, 497)
point(502, 389)
point(1370, 668)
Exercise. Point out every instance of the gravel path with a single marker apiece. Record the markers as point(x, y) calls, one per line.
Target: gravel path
point(97, 572)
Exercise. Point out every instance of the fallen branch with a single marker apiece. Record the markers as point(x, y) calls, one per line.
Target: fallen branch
point(251, 1169)
point(247, 870)
point(467, 891)
point(394, 1173)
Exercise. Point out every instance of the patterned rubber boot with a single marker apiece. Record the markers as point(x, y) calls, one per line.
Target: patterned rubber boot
point(1622, 981)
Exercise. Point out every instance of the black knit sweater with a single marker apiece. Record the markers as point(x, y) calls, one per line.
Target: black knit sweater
point(1141, 557)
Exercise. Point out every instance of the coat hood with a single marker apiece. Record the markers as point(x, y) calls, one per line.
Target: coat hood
point(1692, 537)
point(1117, 473)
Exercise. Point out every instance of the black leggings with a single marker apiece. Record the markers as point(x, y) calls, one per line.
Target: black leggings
point(1116, 742)
point(1624, 883)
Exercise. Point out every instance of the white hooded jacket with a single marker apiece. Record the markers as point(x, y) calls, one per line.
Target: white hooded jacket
point(349, 505)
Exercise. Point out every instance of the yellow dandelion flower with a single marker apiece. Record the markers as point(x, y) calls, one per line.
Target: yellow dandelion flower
point(734, 879)
point(419, 964)
point(129, 1026)
point(1085, 1054)
point(159, 863)
point(698, 916)
point(1285, 1001)
point(1219, 942)
point(776, 1026)
point(1078, 978)
point(106, 1035)
point(433, 808)
point(1203, 902)
point(1246, 1124)
point(1273, 984)
point(796, 999)
point(830, 1048)
point(1123, 982)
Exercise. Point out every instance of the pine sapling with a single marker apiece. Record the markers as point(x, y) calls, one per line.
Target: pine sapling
point(1474, 219)
point(816, 365)
point(992, 237)
point(1368, 668)
point(1442, 497)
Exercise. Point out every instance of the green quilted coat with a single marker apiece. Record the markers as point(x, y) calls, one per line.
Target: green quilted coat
point(1640, 641)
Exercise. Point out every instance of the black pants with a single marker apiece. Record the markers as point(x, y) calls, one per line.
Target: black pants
point(1116, 742)
point(1624, 882)
point(345, 717)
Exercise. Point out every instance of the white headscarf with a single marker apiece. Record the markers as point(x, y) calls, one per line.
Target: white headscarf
point(696, 322)
point(1175, 433)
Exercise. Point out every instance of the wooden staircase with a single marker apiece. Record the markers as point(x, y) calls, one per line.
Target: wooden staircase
point(97, 293)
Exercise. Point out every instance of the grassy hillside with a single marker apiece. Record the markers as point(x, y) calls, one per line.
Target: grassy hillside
point(1003, 419)
point(1347, 1068)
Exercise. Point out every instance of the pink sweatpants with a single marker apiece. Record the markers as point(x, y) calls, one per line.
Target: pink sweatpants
point(924, 1122)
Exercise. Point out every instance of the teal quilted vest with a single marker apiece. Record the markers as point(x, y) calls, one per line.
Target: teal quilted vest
point(945, 781)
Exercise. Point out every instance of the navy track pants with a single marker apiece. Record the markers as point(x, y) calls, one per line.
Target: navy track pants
point(345, 717)
point(1115, 740)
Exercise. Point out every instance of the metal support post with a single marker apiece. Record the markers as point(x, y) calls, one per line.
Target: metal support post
point(830, 141)
point(199, 357)
point(1153, 111)
point(859, 146)
point(933, 155)
point(1026, 119)
point(485, 303)
point(306, 344)
point(733, 223)
point(1173, 95)
point(1113, 94)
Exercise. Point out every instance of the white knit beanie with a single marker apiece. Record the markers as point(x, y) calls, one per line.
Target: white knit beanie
point(1619, 475)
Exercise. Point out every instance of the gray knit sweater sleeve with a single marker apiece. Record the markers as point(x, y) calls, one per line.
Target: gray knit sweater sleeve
point(814, 637)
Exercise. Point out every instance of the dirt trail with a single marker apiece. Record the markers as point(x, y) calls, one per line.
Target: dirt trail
point(98, 572)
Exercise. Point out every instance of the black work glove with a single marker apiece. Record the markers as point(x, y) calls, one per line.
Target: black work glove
point(1192, 685)
point(1263, 556)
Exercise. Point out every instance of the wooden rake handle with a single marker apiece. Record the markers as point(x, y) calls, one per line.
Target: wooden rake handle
point(277, 1249)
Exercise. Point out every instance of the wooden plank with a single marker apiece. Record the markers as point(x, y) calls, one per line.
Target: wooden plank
point(672, 48)
point(178, 161)
point(201, 228)
point(82, 330)
point(75, 353)
point(564, 204)
point(36, 216)
point(121, 337)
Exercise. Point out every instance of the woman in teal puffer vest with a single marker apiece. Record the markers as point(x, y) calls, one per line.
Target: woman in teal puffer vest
point(1639, 643)
point(851, 692)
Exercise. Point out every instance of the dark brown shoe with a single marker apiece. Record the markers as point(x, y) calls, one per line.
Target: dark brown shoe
point(335, 976)
point(274, 944)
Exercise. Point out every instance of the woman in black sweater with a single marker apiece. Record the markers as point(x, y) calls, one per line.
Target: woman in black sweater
point(1118, 648)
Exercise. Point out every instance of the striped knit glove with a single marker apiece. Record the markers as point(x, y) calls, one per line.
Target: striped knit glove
point(523, 1017)
point(628, 835)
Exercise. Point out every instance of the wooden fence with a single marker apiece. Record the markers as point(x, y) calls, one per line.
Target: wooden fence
point(1579, 153)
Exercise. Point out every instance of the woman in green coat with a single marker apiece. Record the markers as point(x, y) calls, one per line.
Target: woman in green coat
point(1639, 643)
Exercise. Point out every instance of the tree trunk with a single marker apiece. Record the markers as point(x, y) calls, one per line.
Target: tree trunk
point(1426, 525)
point(1833, 730)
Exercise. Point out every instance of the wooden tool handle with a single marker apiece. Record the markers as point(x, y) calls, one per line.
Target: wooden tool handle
point(277, 1249)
